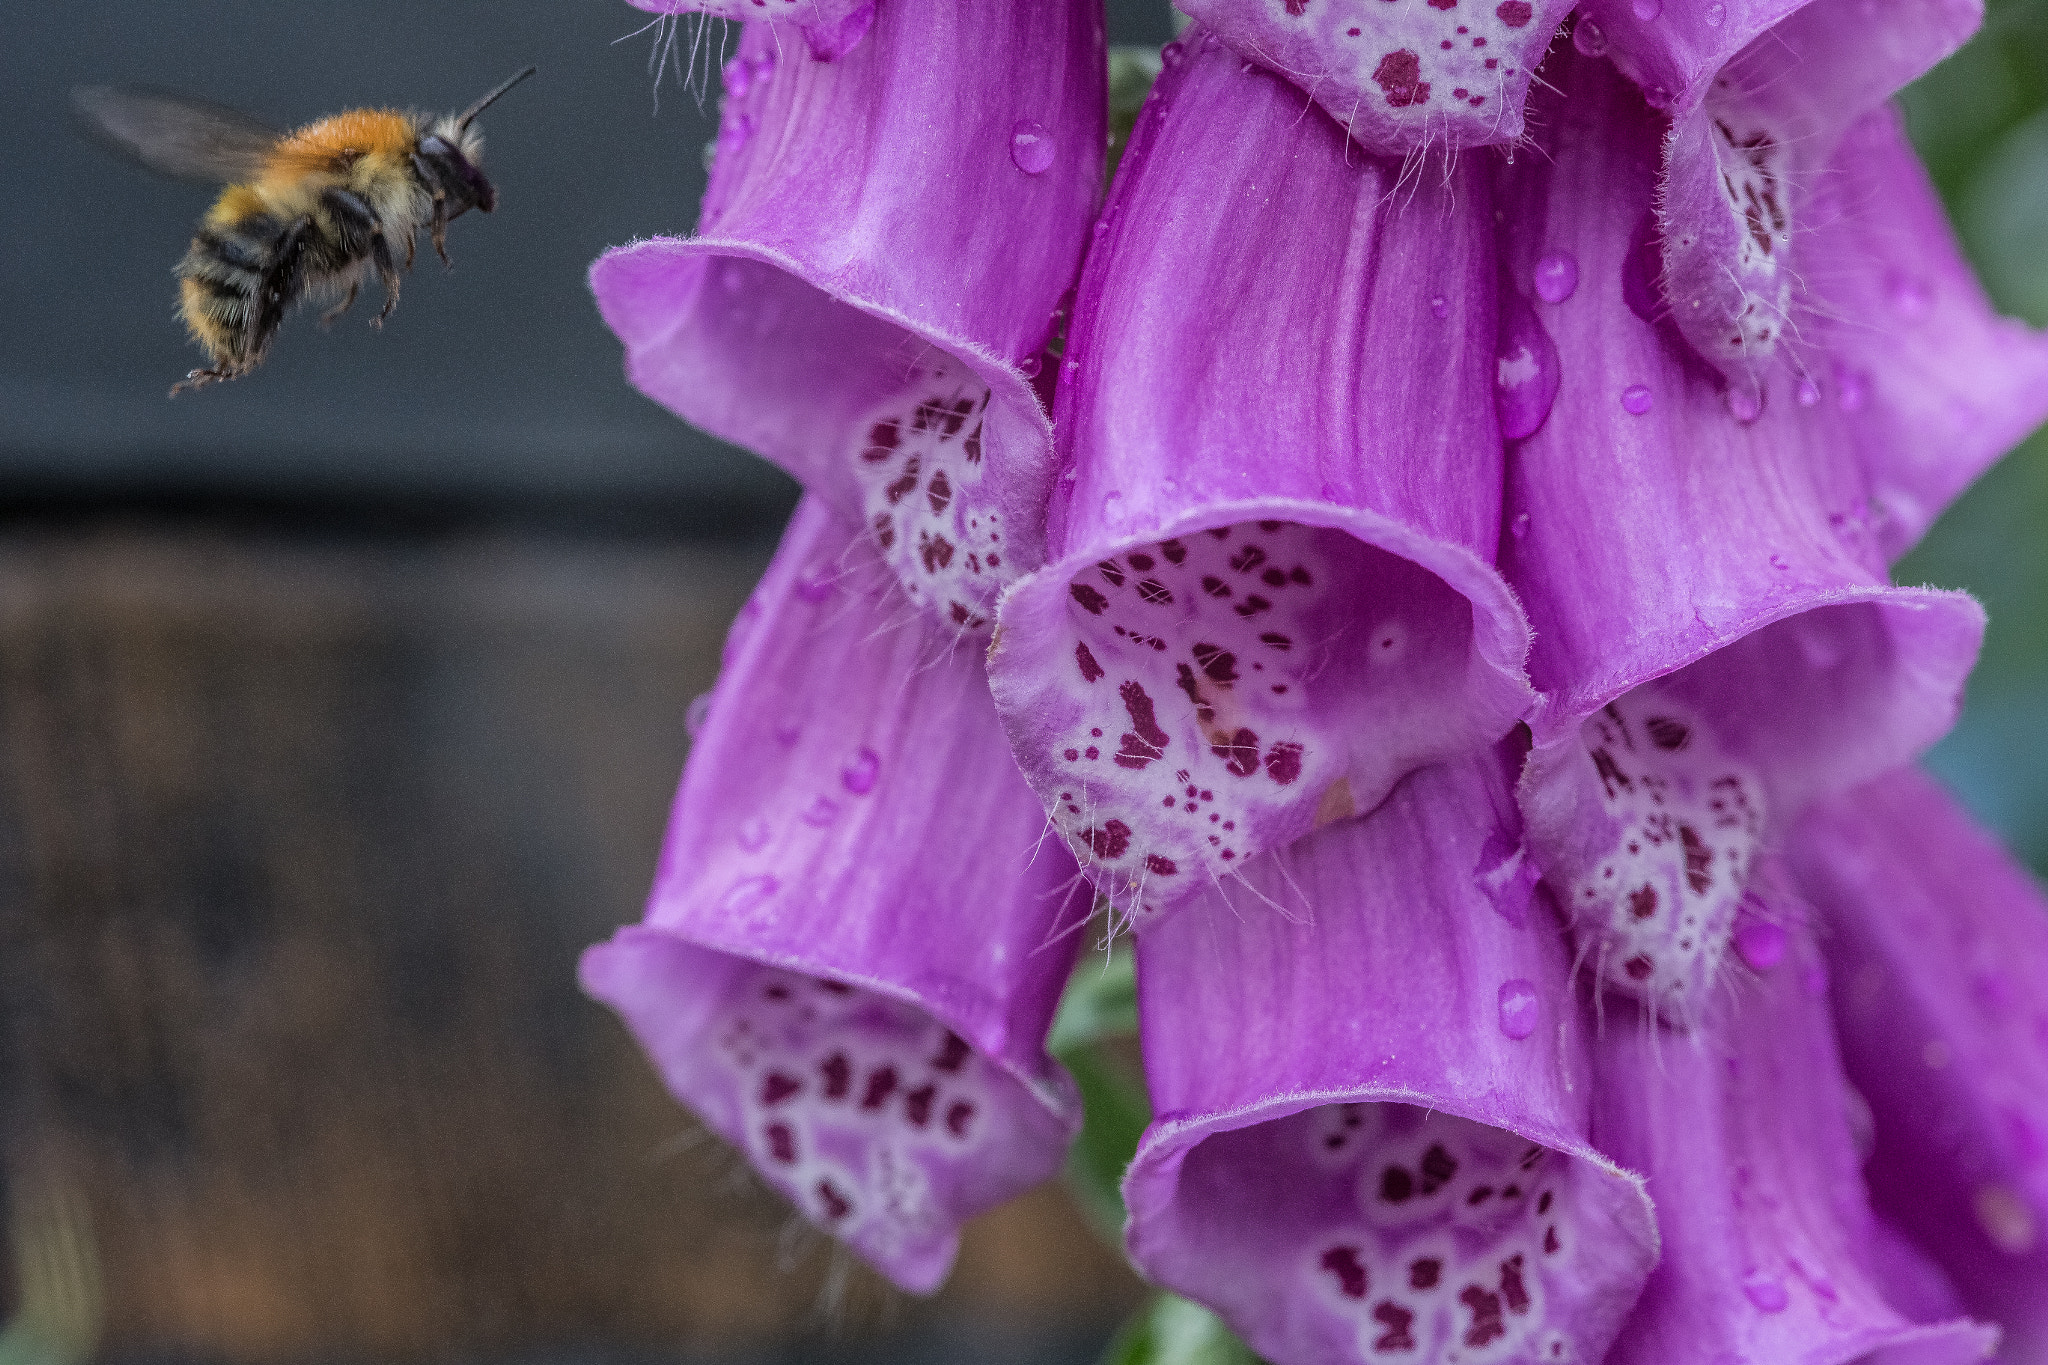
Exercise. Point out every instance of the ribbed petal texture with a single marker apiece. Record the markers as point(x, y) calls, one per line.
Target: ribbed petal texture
point(884, 246)
point(1744, 1133)
point(1938, 950)
point(1274, 593)
point(856, 938)
point(1369, 1070)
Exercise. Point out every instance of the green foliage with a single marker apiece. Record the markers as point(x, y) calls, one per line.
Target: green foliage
point(1171, 1331)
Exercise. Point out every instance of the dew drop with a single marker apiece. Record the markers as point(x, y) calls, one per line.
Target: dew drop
point(1439, 307)
point(859, 775)
point(737, 77)
point(2005, 1219)
point(1113, 507)
point(1646, 10)
point(1852, 389)
point(1715, 13)
point(1518, 1008)
point(1635, 399)
point(1557, 277)
point(1031, 146)
point(1588, 39)
point(1657, 97)
point(1760, 943)
point(1809, 393)
point(747, 893)
point(695, 712)
point(1519, 527)
point(1745, 404)
point(1029, 366)
point(754, 835)
point(1766, 1293)
point(1910, 295)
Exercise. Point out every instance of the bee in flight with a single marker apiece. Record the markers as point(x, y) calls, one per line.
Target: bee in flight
point(307, 212)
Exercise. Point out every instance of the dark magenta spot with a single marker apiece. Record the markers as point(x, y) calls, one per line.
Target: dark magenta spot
point(1090, 670)
point(1399, 74)
point(1425, 1273)
point(1639, 967)
point(939, 492)
point(1283, 761)
point(838, 1076)
point(957, 1115)
point(1239, 752)
point(1247, 559)
point(953, 1053)
point(881, 1085)
point(1111, 572)
point(1438, 1167)
point(1514, 13)
point(1252, 606)
point(1215, 586)
point(917, 1105)
point(1174, 551)
point(1487, 1326)
point(836, 1205)
point(1396, 1185)
point(1642, 902)
point(1141, 562)
point(782, 1143)
point(1218, 663)
point(777, 1087)
point(1089, 598)
point(1398, 1321)
point(1697, 857)
point(1110, 842)
point(1511, 1286)
point(1667, 733)
point(1154, 592)
point(1351, 1277)
point(1165, 867)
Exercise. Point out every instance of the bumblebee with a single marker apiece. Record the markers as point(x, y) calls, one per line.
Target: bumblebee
point(311, 212)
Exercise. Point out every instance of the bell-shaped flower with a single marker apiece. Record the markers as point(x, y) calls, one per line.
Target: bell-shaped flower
point(1716, 638)
point(883, 253)
point(857, 935)
point(830, 28)
point(1937, 950)
point(1369, 1069)
point(1744, 1130)
point(1272, 593)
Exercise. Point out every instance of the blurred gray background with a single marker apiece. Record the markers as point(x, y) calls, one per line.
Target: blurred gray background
point(341, 706)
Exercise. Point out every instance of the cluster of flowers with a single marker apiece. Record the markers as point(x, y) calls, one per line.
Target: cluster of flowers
point(1419, 556)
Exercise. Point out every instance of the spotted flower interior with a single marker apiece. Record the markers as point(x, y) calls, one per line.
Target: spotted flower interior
point(1414, 1235)
point(1225, 691)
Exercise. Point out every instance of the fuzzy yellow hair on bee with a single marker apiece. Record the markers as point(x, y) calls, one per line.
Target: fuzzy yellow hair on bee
point(307, 213)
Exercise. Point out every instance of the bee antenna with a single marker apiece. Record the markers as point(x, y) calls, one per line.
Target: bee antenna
point(462, 119)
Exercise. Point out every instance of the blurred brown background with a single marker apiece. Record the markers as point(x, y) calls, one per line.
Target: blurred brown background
point(301, 837)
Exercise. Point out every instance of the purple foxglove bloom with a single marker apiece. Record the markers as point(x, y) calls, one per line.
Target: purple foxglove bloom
point(1401, 75)
point(857, 936)
point(1716, 638)
point(1744, 1130)
point(1369, 1070)
point(885, 244)
point(830, 28)
point(1273, 592)
point(1937, 948)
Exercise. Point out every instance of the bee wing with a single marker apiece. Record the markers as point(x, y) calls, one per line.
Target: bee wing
point(176, 136)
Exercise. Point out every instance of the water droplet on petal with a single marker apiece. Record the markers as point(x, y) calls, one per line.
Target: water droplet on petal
point(1029, 367)
point(1526, 372)
point(1657, 97)
point(1852, 389)
point(754, 835)
point(1636, 399)
point(1518, 1008)
point(859, 775)
point(1646, 10)
point(738, 76)
point(1439, 307)
point(1910, 295)
point(695, 712)
point(1113, 507)
point(1031, 146)
point(1760, 943)
point(747, 893)
point(1745, 404)
point(1809, 393)
point(1519, 527)
point(1588, 39)
point(1715, 13)
point(1765, 1292)
point(2006, 1219)
point(1557, 276)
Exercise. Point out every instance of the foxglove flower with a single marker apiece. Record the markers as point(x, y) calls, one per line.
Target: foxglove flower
point(855, 941)
point(1370, 1070)
point(1717, 641)
point(1937, 945)
point(1272, 593)
point(885, 245)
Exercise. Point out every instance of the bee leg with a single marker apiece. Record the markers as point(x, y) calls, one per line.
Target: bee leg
point(327, 319)
point(439, 223)
point(199, 379)
point(276, 288)
point(387, 275)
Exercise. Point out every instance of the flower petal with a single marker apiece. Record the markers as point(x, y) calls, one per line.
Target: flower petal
point(1275, 596)
point(1938, 949)
point(885, 244)
point(1405, 76)
point(855, 944)
point(1659, 532)
point(1743, 1131)
point(830, 28)
point(1370, 1133)
point(1843, 55)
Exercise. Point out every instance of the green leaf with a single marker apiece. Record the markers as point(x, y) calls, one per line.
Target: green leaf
point(1115, 1112)
point(1101, 1002)
point(1172, 1331)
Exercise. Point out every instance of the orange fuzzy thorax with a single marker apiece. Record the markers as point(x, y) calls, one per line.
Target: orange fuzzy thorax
point(340, 140)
